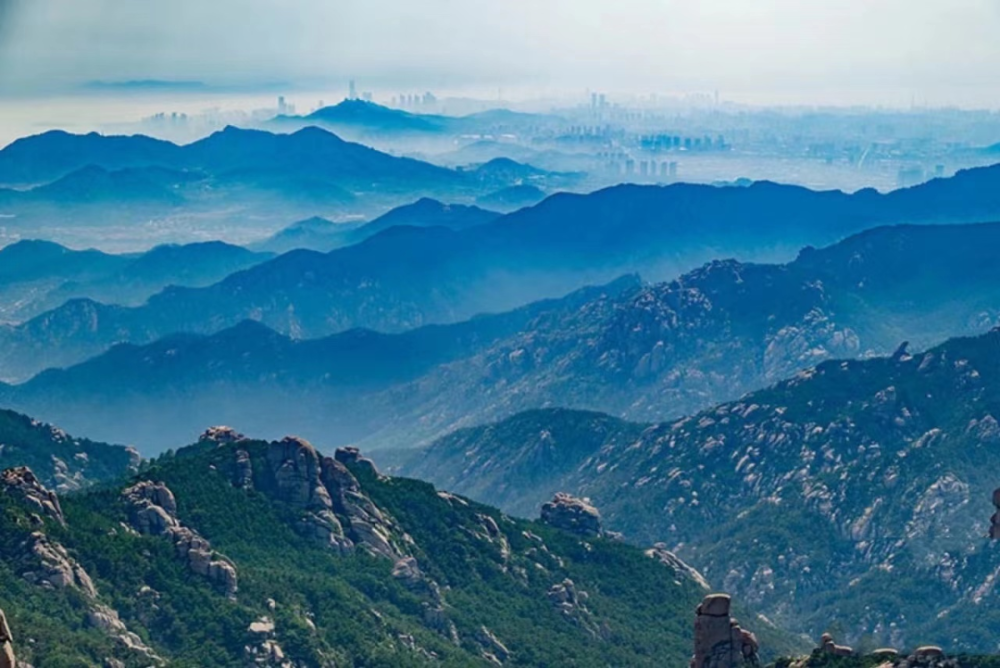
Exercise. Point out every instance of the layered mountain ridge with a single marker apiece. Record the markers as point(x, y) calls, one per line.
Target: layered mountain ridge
point(407, 277)
point(641, 352)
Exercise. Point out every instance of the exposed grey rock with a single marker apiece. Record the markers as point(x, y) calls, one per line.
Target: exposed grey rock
point(244, 470)
point(571, 514)
point(336, 510)
point(986, 429)
point(565, 597)
point(408, 572)
point(55, 568)
point(153, 511)
point(106, 620)
point(668, 558)
point(435, 617)
point(295, 466)
point(369, 527)
point(719, 642)
point(350, 456)
point(828, 646)
point(293, 476)
point(494, 651)
point(50, 565)
point(928, 656)
point(22, 483)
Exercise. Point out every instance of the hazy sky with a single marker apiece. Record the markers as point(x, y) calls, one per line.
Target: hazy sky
point(878, 51)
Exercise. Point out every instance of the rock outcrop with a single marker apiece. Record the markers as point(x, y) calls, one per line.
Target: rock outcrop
point(719, 642)
point(265, 650)
point(828, 646)
point(493, 650)
point(668, 558)
point(335, 509)
point(54, 568)
point(369, 526)
point(571, 514)
point(7, 659)
point(565, 597)
point(23, 484)
point(221, 435)
point(407, 572)
point(243, 477)
point(928, 655)
point(153, 511)
point(352, 457)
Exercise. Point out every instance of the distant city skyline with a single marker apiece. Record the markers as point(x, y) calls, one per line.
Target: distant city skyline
point(848, 52)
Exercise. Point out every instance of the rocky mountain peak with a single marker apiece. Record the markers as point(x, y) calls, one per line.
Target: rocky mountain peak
point(295, 466)
point(22, 483)
point(572, 514)
point(221, 435)
point(335, 509)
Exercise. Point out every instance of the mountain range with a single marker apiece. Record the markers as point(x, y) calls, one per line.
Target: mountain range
point(637, 351)
point(252, 376)
point(310, 152)
point(324, 236)
point(363, 120)
point(856, 490)
point(407, 277)
point(36, 276)
point(61, 185)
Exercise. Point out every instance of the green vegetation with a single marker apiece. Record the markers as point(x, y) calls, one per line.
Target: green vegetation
point(339, 610)
point(61, 461)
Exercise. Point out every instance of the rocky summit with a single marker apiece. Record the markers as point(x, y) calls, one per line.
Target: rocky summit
point(571, 514)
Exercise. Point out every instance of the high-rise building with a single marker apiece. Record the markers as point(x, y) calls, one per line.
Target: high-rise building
point(353, 95)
